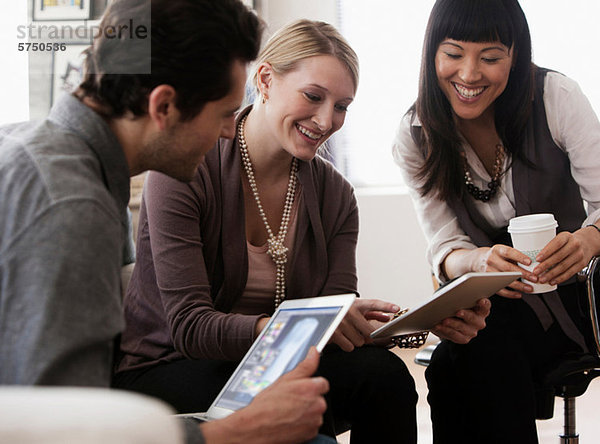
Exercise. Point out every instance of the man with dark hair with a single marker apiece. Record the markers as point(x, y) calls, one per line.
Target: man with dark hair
point(163, 81)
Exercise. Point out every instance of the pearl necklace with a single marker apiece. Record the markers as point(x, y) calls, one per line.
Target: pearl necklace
point(276, 249)
point(478, 193)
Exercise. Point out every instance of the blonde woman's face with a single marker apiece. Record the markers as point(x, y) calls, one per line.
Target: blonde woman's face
point(472, 75)
point(306, 106)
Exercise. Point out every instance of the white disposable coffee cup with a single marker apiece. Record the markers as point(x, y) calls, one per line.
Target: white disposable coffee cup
point(530, 234)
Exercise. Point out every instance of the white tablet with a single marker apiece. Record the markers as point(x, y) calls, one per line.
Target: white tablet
point(458, 294)
point(294, 327)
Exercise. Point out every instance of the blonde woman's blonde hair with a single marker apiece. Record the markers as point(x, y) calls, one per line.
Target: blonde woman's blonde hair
point(303, 39)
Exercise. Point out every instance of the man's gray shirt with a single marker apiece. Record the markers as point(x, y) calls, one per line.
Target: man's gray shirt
point(64, 189)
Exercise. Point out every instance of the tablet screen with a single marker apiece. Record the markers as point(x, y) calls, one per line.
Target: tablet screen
point(282, 345)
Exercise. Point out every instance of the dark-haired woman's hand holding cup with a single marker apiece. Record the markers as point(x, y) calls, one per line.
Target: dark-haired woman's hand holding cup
point(531, 234)
point(565, 255)
point(504, 258)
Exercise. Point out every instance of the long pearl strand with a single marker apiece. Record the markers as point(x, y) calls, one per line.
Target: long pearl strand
point(277, 250)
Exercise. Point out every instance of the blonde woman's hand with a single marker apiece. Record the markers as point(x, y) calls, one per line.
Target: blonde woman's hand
point(355, 329)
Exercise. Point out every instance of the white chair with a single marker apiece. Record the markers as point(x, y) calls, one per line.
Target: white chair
point(63, 415)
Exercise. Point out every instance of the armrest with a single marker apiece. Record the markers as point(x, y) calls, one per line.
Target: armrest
point(85, 415)
point(587, 275)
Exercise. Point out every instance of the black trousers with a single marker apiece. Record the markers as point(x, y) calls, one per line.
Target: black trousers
point(370, 389)
point(484, 391)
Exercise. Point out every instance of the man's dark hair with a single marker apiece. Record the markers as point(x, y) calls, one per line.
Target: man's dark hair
point(193, 46)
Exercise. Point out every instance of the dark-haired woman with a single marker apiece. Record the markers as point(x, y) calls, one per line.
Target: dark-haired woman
point(490, 137)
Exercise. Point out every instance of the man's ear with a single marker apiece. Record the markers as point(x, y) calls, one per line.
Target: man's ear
point(161, 106)
point(264, 77)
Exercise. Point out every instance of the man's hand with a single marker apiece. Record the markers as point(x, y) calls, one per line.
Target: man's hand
point(289, 411)
point(355, 329)
point(465, 325)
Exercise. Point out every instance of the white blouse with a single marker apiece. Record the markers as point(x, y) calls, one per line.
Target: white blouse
point(574, 128)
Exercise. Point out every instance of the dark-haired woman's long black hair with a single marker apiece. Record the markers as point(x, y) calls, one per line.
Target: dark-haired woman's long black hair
point(471, 21)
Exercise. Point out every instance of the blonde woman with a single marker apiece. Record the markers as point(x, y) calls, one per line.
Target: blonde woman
point(264, 219)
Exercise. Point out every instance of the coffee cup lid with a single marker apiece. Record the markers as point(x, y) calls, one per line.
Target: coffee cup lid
point(532, 223)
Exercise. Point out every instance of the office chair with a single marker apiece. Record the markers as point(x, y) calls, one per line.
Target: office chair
point(570, 377)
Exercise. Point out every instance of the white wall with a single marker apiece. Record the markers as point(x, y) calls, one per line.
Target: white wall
point(277, 13)
point(391, 249)
point(13, 74)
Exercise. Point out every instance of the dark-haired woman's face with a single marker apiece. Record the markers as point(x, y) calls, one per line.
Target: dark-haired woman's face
point(472, 75)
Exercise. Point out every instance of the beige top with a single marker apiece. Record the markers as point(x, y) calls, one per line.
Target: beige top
point(259, 294)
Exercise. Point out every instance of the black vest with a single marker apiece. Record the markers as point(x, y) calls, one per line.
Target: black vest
point(548, 187)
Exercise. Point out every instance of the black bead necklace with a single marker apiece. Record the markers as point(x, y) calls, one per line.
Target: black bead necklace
point(478, 193)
